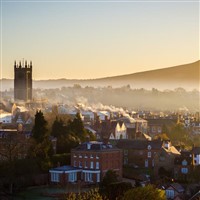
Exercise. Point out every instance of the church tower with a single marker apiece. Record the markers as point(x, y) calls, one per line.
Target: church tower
point(23, 81)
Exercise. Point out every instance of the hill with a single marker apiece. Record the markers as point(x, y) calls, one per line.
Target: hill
point(186, 76)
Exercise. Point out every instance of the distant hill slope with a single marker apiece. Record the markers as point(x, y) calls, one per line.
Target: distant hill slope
point(186, 76)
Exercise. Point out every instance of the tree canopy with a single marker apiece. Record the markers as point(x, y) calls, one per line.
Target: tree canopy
point(148, 192)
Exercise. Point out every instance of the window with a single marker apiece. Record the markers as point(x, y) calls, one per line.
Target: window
point(74, 163)
point(80, 156)
point(97, 156)
point(74, 155)
point(184, 170)
point(72, 177)
point(125, 160)
point(184, 162)
point(86, 156)
point(146, 163)
point(86, 164)
point(126, 152)
point(91, 165)
point(91, 156)
point(54, 177)
point(80, 164)
point(170, 194)
point(149, 147)
point(149, 155)
point(88, 177)
point(153, 163)
point(98, 178)
point(97, 165)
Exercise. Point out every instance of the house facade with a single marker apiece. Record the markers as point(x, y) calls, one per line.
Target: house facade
point(140, 153)
point(89, 163)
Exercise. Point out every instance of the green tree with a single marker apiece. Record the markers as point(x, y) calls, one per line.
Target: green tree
point(148, 192)
point(57, 127)
point(109, 178)
point(77, 127)
point(12, 147)
point(40, 127)
point(178, 133)
point(41, 147)
point(117, 190)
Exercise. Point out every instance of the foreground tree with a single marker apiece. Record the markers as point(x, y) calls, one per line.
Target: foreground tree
point(40, 127)
point(109, 178)
point(13, 146)
point(41, 148)
point(148, 192)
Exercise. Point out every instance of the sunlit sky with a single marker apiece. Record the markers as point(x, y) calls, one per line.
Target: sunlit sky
point(87, 39)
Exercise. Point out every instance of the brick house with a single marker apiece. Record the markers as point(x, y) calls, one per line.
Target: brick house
point(89, 163)
point(165, 158)
point(139, 153)
point(155, 126)
point(151, 154)
point(183, 167)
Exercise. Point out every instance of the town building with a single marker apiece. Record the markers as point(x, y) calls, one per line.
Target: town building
point(89, 163)
point(150, 154)
point(23, 81)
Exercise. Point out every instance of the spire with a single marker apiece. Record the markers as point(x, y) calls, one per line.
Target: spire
point(20, 65)
point(30, 63)
point(25, 63)
point(15, 64)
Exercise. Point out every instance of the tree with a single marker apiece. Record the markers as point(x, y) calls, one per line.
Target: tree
point(77, 127)
point(57, 128)
point(39, 130)
point(109, 178)
point(148, 192)
point(41, 148)
point(13, 146)
point(161, 136)
point(117, 190)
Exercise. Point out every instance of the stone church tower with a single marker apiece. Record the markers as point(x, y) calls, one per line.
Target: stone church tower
point(23, 81)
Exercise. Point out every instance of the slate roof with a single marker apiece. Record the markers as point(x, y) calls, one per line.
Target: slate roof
point(64, 168)
point(178, 187)
point(196, 150)
point(95, 146)
point(139, 144)
point(180, 159)
point(167, 122)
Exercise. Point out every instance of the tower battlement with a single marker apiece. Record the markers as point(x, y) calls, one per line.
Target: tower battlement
point(23, 81)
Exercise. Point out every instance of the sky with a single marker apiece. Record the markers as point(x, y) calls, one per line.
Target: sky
point(88, 39)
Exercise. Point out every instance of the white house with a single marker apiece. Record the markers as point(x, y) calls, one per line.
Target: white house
point(119, 132)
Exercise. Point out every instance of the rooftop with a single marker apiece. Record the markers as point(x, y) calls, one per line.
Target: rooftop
point(95, 146)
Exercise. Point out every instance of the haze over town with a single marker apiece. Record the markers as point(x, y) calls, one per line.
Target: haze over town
point(99, 99)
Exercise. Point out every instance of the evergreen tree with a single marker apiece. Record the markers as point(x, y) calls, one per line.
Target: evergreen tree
point(57, 128)
point(77, 127)
point(39, 130)
point(41, 148)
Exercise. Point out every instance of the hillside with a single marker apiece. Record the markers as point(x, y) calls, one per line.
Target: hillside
point(186, 76)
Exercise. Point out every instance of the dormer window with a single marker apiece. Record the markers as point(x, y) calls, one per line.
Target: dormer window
point(184, 163)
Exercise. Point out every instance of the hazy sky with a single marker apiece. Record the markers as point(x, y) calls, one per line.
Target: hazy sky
point(82, 39)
